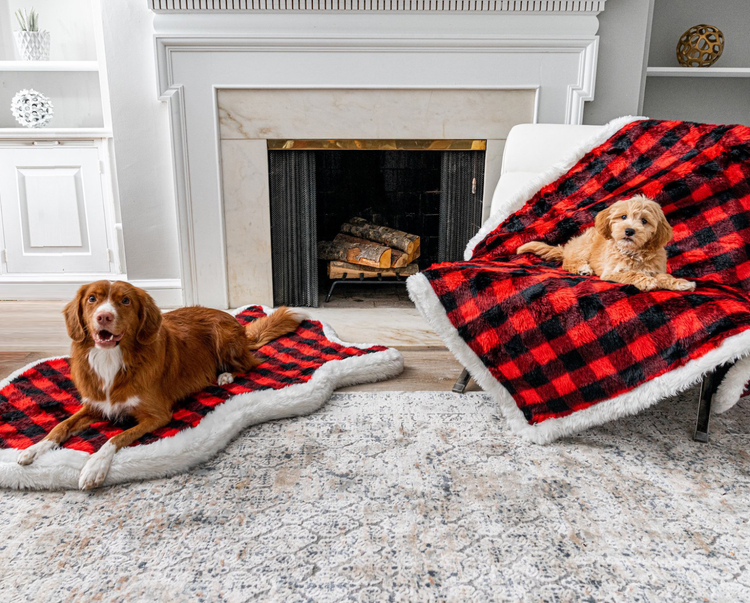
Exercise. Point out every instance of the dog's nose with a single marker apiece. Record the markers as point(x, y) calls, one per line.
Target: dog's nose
point(629, 232)
point(104, 318)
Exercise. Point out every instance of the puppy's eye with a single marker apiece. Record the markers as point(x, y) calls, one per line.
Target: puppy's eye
point(125, 301)
point(623, 217)
point(644, 221)
point(92, 298)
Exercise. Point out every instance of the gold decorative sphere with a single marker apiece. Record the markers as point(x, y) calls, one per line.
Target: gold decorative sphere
point(700, 46)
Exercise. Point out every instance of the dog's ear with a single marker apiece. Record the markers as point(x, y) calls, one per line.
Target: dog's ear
point(601, 223)
point(73, 313)
point(150, 319)
point(663, 233)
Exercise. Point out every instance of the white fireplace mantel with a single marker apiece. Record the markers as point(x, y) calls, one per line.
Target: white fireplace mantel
point(200, 52)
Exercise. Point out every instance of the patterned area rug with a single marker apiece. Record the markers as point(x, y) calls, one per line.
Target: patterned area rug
point(407, 497)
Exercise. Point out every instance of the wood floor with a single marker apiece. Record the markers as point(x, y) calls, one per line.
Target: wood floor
point(33, 330)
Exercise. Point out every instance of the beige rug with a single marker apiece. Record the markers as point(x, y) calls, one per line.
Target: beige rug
point(407, 497)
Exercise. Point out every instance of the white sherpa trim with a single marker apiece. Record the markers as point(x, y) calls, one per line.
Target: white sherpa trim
point(59, 469)
point(731, 388)
point(629, 403)
point(517, 201)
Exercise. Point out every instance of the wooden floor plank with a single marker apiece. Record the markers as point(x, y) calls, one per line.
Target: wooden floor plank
point(34, 326)
point(432, 370)
point(33, 330)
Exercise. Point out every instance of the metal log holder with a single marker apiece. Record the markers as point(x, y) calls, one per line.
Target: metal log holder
point(379, 280)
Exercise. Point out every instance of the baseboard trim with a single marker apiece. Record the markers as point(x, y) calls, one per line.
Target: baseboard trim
point(166, 292)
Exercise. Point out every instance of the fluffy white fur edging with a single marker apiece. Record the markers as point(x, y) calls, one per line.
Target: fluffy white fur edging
point(731, 388)
point(59, 469)
point(516, 202)
point(629, 403)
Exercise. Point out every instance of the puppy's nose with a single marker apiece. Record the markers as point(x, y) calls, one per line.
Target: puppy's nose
point(104, 318)
point(629, 232)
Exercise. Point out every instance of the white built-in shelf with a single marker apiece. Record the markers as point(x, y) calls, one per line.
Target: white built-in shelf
point(698, 72)
point(53, 133)
point(49, 66)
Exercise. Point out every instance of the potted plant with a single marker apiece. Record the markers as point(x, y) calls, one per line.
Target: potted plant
point(33, 45)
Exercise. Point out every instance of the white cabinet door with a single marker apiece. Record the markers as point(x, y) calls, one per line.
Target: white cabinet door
point(52, 210)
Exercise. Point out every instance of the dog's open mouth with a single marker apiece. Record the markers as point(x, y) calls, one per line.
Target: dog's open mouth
point(106, 339)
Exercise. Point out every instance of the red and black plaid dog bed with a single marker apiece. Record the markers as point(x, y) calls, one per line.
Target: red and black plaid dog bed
point(298, 375)
point(562, 352)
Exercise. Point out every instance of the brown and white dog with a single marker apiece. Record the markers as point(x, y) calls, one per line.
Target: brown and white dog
point(127, 359)
point(625, 245)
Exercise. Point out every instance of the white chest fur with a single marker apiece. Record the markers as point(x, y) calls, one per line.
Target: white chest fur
point(117, 410)
point(106, 363)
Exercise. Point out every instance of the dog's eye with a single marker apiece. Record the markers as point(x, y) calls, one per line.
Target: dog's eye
point(644, 221)
point(125, 301)
point(624, 217)
point(92, 298)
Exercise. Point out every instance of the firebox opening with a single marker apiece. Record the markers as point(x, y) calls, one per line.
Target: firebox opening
point(388, 188)
point(423, 188)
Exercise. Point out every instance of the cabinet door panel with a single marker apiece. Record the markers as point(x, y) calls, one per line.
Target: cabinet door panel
point(53, 210)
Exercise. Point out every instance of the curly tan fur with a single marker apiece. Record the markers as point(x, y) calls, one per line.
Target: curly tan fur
point(625, 245)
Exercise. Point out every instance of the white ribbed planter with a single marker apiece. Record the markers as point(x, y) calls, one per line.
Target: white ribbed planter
point(33, 45)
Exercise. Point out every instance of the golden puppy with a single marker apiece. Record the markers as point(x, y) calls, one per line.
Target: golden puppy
point(625, 245)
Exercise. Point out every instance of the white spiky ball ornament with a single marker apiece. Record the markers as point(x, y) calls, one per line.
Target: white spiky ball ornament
point(31, 108)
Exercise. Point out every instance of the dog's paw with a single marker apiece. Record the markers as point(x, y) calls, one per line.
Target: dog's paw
point(27, 456)
point(647, 283)
point(680, 284)
point(225, 379)
point(585, 270)
point(95, 470)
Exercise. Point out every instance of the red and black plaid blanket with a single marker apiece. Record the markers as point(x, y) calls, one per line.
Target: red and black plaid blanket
point(561, 343)
point(41, 397)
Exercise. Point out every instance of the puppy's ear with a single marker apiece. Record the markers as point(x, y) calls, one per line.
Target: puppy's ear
point(602, 223)
point(150, 319)
point(663, 233)
point(73, 314)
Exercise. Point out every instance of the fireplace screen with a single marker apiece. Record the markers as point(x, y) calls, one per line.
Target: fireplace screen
point(420, 187)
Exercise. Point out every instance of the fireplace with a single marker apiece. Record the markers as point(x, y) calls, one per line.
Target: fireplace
point(237, 79)
point(431, 188)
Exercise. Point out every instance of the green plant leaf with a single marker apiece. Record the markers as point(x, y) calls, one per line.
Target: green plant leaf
point(21, 17)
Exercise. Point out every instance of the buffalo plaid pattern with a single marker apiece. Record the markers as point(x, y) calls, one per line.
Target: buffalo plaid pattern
point(559, 342)
point(44, 395)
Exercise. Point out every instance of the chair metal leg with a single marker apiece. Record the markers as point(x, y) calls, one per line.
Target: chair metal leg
point(459, 386)
point(709, 386)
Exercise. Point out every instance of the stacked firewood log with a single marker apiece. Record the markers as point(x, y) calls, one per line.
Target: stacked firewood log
point(365, 249)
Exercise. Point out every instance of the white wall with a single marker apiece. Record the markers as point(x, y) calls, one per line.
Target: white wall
point(70, 23)
point(673, 17)
point(142, 143)
point(624, 34)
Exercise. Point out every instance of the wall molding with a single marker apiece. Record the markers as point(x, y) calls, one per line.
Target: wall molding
point(591, 7)
point(166, 292)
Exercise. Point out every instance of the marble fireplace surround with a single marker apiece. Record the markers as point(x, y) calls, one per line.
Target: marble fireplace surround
point(248, 118)
point(234, 80)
